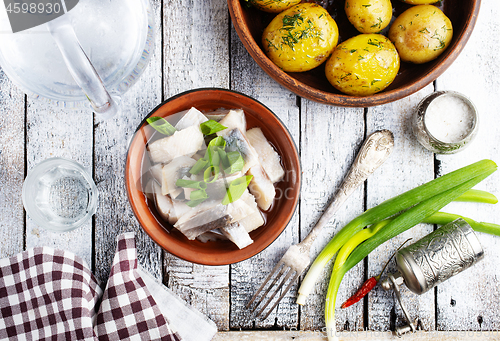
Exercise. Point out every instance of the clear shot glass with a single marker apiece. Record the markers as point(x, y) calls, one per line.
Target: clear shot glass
point(59, 195)
point(445, 122)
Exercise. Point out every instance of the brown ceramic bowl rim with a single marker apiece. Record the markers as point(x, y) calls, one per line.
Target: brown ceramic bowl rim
point(306, 91)
point(151, 226)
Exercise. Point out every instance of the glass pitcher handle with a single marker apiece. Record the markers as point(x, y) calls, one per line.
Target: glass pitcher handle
point(81, 68)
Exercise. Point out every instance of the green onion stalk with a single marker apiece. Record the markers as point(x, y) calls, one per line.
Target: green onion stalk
point(442, 218)
point(387, 209)
point(394, 227)
point(438, 218)
point(476, 195)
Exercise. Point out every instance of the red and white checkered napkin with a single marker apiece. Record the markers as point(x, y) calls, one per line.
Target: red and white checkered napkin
point(127, 309)
point(47, 294)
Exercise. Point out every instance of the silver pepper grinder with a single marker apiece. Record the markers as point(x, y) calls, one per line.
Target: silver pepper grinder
point(433, 259)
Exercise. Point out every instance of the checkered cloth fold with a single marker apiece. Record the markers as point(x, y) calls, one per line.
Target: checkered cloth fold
point(48, 294)
point(128, 310)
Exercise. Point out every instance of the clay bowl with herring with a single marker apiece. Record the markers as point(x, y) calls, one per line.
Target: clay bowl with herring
point(219, 252)
point(250, 23)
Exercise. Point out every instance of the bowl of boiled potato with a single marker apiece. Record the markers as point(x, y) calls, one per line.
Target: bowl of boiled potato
point(354, 53)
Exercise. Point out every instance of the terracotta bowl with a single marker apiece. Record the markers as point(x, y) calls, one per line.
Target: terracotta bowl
point(250, 23)
point(215, 252)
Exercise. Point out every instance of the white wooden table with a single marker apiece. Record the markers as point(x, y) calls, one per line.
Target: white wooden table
point(198, 47)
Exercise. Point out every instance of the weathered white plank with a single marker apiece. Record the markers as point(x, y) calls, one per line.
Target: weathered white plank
point(53, 132)
point(247, 276)
point(11, 167)
point(409, 166)
point(195, 42)
point(330, 139)
point(471, 300)
point(196, 54)
point(114, 215)
point(205, 288)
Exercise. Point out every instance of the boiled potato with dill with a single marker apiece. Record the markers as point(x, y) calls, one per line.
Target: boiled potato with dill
point(363, 65)
point(421, 33)
point(274, 6)
point(369, 16)
point(300, 38)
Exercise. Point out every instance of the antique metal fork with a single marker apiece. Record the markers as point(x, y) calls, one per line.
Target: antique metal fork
point(374, 151)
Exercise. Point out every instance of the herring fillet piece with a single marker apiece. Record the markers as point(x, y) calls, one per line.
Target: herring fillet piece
point(185, 142)
point(192, 117)
point(207, 220)
point(157, 172)
point(206, 217)
point(169, 209)
point(238, 210)
point(193, 211)
point(261, 187)
point(210, 236)
point(162, 202)
point(218, 189)
point(237, 141)
point(195, 227)
point(217, 115)
point(235, 118)
point(173, 171)
point(236, 233)
point(149, 190)
point(179, 209)
point(268, 157)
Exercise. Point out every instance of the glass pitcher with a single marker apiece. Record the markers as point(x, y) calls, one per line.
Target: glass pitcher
point(93, 53)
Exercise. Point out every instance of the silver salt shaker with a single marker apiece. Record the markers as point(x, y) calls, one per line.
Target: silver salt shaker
point(445, 122)
point(433, 259)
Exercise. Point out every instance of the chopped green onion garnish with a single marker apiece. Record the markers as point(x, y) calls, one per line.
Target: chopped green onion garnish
point(223, 158)
point(236, 162)
point(218, 142)
point(191, 184)
point(194, 203)
point(213, 156)
point(211, 127)
point(198, 195)
point(236, 189)
point(161, 125)
point(199, 166)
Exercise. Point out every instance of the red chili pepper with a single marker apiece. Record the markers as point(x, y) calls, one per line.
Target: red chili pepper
point(365, 289)
point(368, 285)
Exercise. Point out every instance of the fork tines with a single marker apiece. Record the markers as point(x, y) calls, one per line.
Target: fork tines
point(280, 271)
